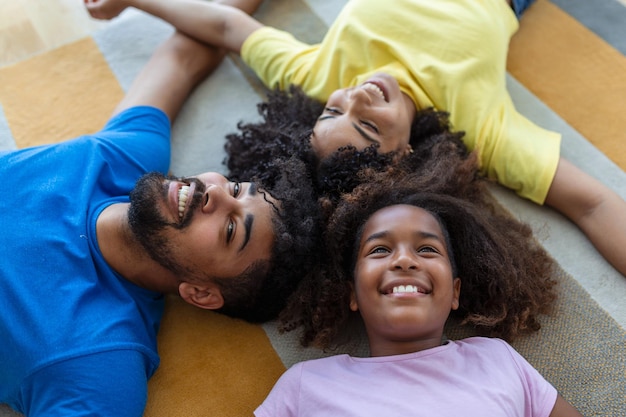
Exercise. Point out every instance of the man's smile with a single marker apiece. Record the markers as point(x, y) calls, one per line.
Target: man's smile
point(180, 196)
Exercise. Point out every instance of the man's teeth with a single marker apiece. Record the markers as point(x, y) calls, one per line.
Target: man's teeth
point(183, 195)
point(405, 289)
point(375, 89)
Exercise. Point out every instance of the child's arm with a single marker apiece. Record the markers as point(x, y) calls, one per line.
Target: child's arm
point(596, 209)
point(564, 409)
point(209, 22)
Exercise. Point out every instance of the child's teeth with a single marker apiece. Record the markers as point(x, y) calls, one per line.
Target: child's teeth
point(375, 88)
point(403, 289)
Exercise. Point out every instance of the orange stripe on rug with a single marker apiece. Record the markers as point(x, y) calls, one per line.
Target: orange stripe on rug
point(58, 95)
point(211, 365)
point(575, 72)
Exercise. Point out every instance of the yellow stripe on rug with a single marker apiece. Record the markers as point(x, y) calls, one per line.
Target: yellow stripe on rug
point(61, 94)
point(211, 365)
point(575, 72)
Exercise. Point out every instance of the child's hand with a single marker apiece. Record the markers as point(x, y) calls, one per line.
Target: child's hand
point(105, 9)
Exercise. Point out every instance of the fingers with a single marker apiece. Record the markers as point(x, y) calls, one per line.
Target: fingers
point(92, 8)
point(104, 9)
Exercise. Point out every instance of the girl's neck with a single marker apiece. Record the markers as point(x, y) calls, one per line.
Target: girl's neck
point(410, 105)
point(391, 348)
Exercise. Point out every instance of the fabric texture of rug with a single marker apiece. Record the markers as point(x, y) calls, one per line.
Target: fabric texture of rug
point(561, 70)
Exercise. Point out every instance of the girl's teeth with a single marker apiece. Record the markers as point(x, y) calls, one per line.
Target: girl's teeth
point(404, 289)
point(375, 89)
point(183, 195)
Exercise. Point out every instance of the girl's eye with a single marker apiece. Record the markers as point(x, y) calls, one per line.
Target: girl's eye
point(236, 189)
point(229, 231)
point(427, 249)
point(332, 110)
point(379, 249)
point(370, 126)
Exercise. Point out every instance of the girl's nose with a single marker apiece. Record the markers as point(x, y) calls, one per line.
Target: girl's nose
point(359, 96)
point(405, 260)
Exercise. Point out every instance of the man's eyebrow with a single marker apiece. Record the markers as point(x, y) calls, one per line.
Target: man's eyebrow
point(252, 190)
point(364, 134)
point(248, 227)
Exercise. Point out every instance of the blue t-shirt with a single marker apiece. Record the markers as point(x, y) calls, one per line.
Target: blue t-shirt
point(67, 320)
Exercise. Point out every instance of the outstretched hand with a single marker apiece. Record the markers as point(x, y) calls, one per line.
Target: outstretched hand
point(105, 9)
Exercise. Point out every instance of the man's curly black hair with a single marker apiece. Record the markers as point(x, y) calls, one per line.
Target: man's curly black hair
point(507, 276)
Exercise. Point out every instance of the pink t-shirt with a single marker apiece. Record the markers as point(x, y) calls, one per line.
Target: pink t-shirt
point(472, 377)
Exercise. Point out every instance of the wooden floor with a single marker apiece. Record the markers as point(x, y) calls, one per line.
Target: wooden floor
point(29, 27)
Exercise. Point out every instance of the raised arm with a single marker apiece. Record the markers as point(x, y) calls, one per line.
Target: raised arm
point(175, 68)
point(172, 72)
point(214, 23)
point(596, 209)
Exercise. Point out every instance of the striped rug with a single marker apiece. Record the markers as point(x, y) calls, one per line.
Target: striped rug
point(567, 72)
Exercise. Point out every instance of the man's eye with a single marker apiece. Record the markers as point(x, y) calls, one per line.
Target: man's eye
point(236, 189)
point(229, 231)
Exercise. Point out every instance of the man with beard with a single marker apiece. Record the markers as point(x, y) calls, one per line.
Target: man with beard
point(85, 265)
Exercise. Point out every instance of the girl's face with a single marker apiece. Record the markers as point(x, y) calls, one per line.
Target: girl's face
point(403, 283)
point(375, 112)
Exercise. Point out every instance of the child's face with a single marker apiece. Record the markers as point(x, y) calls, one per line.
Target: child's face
point(403, 283)
point(373, 112)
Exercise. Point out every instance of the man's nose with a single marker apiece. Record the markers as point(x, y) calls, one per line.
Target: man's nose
point(217, 198)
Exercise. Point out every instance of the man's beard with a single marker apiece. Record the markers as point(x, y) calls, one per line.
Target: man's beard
point(149, 226)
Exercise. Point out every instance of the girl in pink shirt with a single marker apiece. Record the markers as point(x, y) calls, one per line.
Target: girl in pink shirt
point(397, 255)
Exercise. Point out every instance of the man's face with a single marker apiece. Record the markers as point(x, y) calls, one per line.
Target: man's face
point(203, 226)
point(375, 112)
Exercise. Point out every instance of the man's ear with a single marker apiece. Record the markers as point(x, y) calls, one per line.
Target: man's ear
point(354, 306)
point(456, 287)
point(207, 296)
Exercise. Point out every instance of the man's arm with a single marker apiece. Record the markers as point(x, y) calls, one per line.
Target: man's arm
point(214, 23)
point(175, 68)
point(596, 209)
point(172, 72)
point(112, 383)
